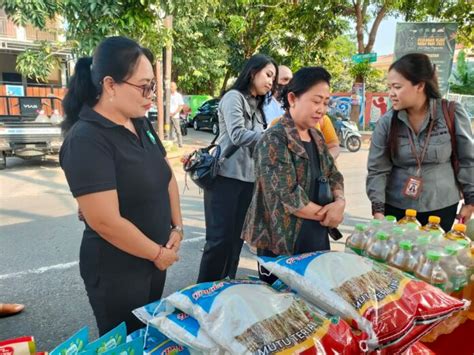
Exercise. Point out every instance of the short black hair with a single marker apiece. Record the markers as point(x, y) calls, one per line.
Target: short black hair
point(303, 80)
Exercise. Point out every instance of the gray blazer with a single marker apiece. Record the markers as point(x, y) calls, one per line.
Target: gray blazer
point(240, 124)
point(387, 176)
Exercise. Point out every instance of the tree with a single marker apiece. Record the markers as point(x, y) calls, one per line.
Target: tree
point(293, 33)
point(368, 14)
point(211, 39)
point(463, 82)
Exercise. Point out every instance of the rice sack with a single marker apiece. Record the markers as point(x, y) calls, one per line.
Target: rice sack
point(375, 298)
point(249, 317)
point(185, 330)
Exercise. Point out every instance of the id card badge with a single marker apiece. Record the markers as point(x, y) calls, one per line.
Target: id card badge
point(413, 187)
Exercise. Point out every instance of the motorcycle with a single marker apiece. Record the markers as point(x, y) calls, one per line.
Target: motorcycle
point(348, 133)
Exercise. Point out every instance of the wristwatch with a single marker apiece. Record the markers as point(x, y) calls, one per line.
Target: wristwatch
point(178, 229)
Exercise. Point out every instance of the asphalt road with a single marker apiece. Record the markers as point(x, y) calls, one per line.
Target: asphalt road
point(40, 237)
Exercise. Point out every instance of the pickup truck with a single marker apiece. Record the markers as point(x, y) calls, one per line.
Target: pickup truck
point(26, 129)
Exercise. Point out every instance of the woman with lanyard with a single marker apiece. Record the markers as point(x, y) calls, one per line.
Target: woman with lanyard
point(299, 193)
point(410, 158)
point(241, 123)
point(117, 170)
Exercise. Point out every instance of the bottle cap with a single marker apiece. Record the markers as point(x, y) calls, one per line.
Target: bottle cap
point(392, 219)
point(375, 222)
point(397, 230)
point(433, 255)
point(411, 226)
point(410, 213)
point(422, 240)
point(382, 236)
point(406, 245)
point(434, 220)
point(463, 243)
point(460, 228)
point(450, 250)
point(360, 227)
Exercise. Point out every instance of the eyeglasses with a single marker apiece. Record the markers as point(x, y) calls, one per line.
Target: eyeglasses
point(146, 89)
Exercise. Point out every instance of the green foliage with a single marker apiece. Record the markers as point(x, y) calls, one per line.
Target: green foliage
point(463, 82)
point(211, 39)
point(460, 12)
point(27, 62)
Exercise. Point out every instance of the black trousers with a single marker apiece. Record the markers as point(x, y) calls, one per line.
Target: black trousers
point(117, 282)
point(114, 298)
point(447, 215)
point(225, 207)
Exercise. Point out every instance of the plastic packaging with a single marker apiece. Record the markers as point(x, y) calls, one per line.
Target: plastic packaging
point(403, 259)
point(177, 326)
point(457, 233)
point(433, 224)
point(185, 330)
point(108, 341)
point(379, 250)
point(431, 271)
point(251, 317)
point(357, 241)
point(374, 227)
point(410, 217)
point(395, 237)
point(376, 298)
point(388, 223)
point(457, 272)
point(420, 248)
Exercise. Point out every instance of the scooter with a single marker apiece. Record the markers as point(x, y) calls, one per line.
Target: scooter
point(348, 133)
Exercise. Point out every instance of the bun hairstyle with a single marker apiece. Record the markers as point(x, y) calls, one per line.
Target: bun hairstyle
point(116, 57)
point(302, 81)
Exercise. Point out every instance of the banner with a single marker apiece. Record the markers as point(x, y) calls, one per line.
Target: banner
point(437, 40)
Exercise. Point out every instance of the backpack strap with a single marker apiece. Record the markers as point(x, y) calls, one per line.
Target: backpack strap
point(448, 114)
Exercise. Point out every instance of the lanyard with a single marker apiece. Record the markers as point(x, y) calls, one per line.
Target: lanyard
point(420, 158)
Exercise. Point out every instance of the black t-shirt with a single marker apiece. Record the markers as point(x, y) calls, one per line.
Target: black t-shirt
point(312, 236)
point(99, 155)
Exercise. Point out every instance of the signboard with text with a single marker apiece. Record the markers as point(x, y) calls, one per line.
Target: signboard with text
point(437, 40)
point(365, 57)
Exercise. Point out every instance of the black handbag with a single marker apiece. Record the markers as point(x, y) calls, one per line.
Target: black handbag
point(203, 164)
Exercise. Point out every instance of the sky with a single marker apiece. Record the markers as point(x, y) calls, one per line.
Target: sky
point(385, 40)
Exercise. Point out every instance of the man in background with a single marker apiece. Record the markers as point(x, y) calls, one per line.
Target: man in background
point(176, 105)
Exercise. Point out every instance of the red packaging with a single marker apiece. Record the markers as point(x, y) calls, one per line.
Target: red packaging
point(18, 346)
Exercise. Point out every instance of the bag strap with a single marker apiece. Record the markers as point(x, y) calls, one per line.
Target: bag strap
point(448, 114)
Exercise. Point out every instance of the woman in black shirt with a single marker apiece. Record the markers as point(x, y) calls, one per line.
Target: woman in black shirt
point(116, 168)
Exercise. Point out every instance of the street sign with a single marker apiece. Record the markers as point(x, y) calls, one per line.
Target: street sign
point(366, 57)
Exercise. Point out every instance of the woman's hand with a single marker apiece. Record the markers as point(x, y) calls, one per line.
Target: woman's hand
point(333, 213)
point(174, 242)
point(166, 258)
point(466, 213)
point(379, 215)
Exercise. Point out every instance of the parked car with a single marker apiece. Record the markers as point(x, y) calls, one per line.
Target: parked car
point(206, 117)
point(194, 102)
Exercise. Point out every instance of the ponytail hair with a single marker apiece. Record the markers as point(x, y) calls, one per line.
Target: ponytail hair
point(81, 90)
point(116, 57)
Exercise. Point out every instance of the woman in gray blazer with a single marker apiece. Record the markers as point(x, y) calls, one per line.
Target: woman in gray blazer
point(241, 124)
